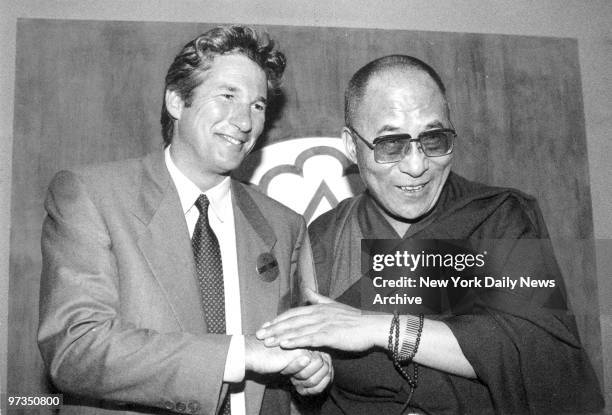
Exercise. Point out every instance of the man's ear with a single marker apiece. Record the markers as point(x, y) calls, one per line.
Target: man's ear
point(349, 145)
point(174, 104)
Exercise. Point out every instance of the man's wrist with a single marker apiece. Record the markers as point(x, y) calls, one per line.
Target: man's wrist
point(379, 329)
point(251, 343)
point(235, 361)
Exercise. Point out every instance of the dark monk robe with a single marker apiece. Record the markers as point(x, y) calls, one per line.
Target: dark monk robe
point(523, 344)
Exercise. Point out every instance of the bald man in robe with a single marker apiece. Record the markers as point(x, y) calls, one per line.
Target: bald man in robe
point(492, 351)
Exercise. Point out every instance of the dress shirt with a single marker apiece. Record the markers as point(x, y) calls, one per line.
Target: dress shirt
point(221, 219)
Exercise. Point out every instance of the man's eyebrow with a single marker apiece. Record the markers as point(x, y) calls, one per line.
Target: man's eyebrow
point(231, 88)
point(228, 87)
point(433, 125)
point(387, 128)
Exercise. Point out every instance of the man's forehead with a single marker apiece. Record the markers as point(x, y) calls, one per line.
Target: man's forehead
point(232, 70)
point(410, 83)
point(404, 92)
point(233, 62)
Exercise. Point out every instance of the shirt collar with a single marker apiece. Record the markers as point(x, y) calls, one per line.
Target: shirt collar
point(219, 196)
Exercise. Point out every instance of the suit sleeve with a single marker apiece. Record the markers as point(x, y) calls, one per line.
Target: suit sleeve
point(88, 348)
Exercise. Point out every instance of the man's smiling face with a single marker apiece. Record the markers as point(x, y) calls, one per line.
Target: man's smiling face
point(401, 102)
point(222, 123)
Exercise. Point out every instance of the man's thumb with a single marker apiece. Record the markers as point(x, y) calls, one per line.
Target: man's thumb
point(316, 298)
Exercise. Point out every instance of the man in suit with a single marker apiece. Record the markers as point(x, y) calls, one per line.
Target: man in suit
point(154, 267)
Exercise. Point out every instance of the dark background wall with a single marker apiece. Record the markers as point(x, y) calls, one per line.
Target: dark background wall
point(588, 23)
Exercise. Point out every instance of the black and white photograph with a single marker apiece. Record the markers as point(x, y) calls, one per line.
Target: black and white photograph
point(306, 208)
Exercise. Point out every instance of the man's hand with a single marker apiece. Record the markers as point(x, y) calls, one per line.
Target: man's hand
point(310, 371)
point(326, 323)
point(313, 378)
point(264, 360)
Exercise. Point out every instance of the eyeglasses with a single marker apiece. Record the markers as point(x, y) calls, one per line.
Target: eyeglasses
point(392, 148)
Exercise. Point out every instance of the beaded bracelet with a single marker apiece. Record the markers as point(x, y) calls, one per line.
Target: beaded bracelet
point(394, 349)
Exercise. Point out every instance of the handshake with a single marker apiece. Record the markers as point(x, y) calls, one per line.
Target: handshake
point(288, 344)
point(310, 371)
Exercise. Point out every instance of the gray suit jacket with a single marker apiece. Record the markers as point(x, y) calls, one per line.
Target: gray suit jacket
point(121, 324)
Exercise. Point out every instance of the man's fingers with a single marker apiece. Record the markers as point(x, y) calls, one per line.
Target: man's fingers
point(321, 386)
point(296, 365)
point(315, 298)
point(316, 383)
point(326, 358)
point(308, 340)
point(286, 327)
point(291, 332)
point(315, 365)
point(291, 313)
point(312, 381)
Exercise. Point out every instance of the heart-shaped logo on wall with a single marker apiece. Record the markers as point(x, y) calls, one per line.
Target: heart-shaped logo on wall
point(309, 175)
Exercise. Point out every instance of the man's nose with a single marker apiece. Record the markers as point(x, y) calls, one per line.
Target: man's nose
point(241, 118)
point(415, 162)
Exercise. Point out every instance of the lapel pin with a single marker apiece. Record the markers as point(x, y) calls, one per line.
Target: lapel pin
point(267, 267)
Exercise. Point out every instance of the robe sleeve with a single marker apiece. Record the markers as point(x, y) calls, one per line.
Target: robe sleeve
point(523, 343)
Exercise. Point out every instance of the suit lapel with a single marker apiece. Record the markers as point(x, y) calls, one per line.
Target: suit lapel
point(254, 236)
point(259, 299)
point(166, 245)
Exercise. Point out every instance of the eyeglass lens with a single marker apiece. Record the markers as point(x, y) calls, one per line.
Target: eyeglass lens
point(433, 144)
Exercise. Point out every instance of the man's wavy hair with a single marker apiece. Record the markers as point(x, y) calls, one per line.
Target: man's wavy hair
point(196, 57)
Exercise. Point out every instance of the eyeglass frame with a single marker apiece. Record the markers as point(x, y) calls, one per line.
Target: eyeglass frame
point(390, 137)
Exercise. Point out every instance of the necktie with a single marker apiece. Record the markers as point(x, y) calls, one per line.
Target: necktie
point(209, 269)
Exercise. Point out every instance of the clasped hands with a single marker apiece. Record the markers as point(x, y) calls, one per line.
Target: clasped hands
point(310, 371)
point(325, 323)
